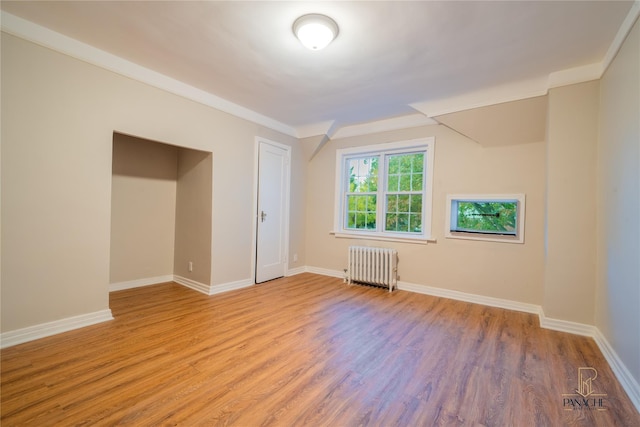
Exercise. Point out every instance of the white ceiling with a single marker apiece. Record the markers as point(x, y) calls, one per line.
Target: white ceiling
point(390, 59)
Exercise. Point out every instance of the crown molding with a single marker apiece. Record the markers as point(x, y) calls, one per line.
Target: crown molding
point(575, 75)
point(50, 39)
point(484, 97)
point(490, 96)
point(315, 129)
point(621, 36)
point(401, 122)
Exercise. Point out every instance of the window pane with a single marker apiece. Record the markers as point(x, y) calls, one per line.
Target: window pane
point(361, 212)
point(394, 164)
point(416, 204)
point(392, 222)
point(403, 203)
point(416, 182)
point(405, 182)
point(351, 220)
point(415, 223)
point(363, 174)
point(487, 217)
point(405, 172)
point(401, 186)
point(403, 222)
point(405, 163)
point(392, 182)
point(351, 203)
point(418, 163)
point(392, 203)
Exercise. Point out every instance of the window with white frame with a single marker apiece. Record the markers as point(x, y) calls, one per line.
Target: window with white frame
point(384, 191)
point(496, 217)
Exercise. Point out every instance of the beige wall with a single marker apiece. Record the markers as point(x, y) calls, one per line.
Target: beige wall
point(569, 284)
point(58, 119)
point(617, 301)
point(193, 216)
point(501, 270)
point(143, 209)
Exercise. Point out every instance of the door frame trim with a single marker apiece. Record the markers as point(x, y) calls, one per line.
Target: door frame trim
point(287, 203)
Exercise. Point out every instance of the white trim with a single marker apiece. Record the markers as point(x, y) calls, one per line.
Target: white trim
point(230, 286)
point(19, 336)
point(197, 286)
point(575, 75)
point(315, 129)
point(621, 36)
point(295, 271)
point(138, 283)
point(449, 217)
point(192, 284)
point(472, 298)
point(326, 272)
point(628, 382)
point(428, 144)
point(366, 236)
point(483, 97)
point(384, 125)
point(566, 325)
point(621, 372)
point(50, 39)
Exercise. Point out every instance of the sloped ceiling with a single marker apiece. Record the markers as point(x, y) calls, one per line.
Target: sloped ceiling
point(508, 123)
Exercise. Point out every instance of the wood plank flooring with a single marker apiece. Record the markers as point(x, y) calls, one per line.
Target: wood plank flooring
point(307, 350)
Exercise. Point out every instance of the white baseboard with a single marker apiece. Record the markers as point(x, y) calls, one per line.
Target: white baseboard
point(472, 298)
point(294, 271)
point(621, 372)
point(231, 286)
point(197, 286)
point(628, 382)
point(189, 283)
point(566, 326)
point(130, 284)
point(42, 330)
point(325, 272)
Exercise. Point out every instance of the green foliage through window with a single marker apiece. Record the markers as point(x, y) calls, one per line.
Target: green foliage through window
point(494, 217)
point(405, 181)
point(385, 191)
point(361, 198)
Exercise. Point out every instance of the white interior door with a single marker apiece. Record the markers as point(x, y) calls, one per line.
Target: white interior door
point(273, 186)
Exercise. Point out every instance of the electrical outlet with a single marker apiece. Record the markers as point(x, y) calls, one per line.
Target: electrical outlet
point(295, 257)
point(190, 266)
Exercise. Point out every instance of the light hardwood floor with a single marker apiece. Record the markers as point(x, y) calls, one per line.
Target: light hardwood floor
point(306, 350)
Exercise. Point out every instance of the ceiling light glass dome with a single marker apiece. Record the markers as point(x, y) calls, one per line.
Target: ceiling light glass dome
point(315, 31)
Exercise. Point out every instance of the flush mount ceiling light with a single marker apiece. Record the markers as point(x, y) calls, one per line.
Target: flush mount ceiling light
point(315, 31)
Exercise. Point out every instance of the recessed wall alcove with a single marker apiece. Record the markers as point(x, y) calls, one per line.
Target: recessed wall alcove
point(161, 207)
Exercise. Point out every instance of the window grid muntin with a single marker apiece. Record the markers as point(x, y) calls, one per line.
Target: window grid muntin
point(360, 162)
point(425, 145)
point(410, 215)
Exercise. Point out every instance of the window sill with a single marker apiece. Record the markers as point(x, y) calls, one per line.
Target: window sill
point(484, 237)
point(360, 236)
